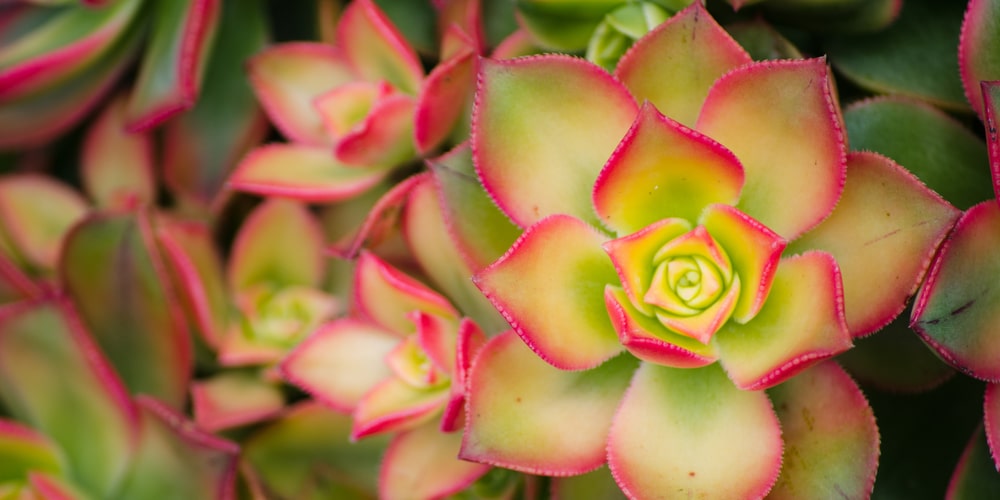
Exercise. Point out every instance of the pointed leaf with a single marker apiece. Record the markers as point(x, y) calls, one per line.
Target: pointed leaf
point(307, 455)
point(195, 269)
point(423, 463)
point(375, 49)
point(370, 220)
point(691, 432)
point(523, 414)
point(394, 405)
point(662, 169)
point(340, 362)
point(831, 441)
point(173, 66)
point(434, 248)
point(176, 459)
point(884, 210)
point(280, 244)
point(955, 310)
point(479, 229)
point(550, 288)
point(114, 272)
point(117, 165)
point(444, 101)
point(231, 399)
point(387, 296)
point(42, 345)
point(287, 78)
point(384, 138)
point(204, 144)
point(801, 323)
point(975, 475)
point(675, 64)
point(542, 130)
point(36, 212)
point(471, 340)
point(301, 172)
point(792, 148)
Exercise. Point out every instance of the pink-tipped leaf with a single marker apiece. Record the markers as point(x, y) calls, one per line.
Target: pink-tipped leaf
point(955, 311)
point(24, 450)
point(675, 65)
point(233, 399)
point(340, 362)
point(375, 49)
point(280, 244)
point(525, 415)
point(991, 420)
point(383, 138)
point(444, 101)
point(831, 440)
point(977, 59)
point(663, 169)
point(550, 288)
point(36, 213)
point(991, 112)
point(394, 405)
point(302, 172)
point(801, 323)
point(388, 297)
point(542, 129)
point(781, 121)
point(423, 463)
point(170, 76)
point(692, 433)
point(884, 210)
point(117, 165)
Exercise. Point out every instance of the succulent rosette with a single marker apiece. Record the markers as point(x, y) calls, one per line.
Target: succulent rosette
point(680, 257)
point(398, 366)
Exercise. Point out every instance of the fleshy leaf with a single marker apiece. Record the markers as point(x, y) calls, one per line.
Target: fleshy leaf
point(646, 338)
point(173, 66)
point(470, 340)
point(480, 230)
point(36, 212)
point(801, 323)
point(42, 345)
point(60, 46)
point(781, 121)
point(975, 475)
point(423, 463)
point(302, 172)
point(384, 138)
point(991, 102)
point(991, 419)
point(307, 455)
point(977, 58)
point(662, 169)
point(375, 49)
point(523, 414)
point(340, 362)
point(941, 151)
point(550, 288)
point(634, 257)
point(280, 244)
point(831, 441)
point(196, 270)
point(288, 77)
point(884, 210)
point(754, 251)
point(378, 211)
point(444, 100)
point(394, 405)
point(691, 432)
point(542, 130)
point(955, 310)
point(387, 296)
point(25, 450)
point(232, 399)
point(203, 145)
point(174, 458)
point(675, 65)
point(437, 252)
point(117, 165)
point(114, 272)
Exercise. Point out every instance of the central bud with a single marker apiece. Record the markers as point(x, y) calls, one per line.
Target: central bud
point(678, 275)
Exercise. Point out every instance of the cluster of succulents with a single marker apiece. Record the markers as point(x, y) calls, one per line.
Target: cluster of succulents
point(499, 249)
